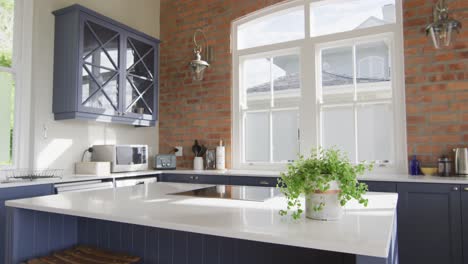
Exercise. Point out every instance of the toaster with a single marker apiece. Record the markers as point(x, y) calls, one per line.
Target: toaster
point(165, 162)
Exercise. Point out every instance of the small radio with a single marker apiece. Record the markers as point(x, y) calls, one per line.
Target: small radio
point(165, 162)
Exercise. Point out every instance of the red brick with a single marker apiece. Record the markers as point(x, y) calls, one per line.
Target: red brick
point(436, 80)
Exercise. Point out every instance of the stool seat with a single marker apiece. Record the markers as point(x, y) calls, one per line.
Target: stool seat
point(85, 255)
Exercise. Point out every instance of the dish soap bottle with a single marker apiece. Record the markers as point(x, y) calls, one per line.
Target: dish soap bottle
point(414, 166)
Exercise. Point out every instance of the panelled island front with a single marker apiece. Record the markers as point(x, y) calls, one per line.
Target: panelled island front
point(160, 227)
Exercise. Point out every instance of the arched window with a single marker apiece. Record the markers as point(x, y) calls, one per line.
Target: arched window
point(309, 73)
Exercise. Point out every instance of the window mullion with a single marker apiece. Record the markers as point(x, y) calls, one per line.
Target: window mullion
point(272, 105)
point(356, 146)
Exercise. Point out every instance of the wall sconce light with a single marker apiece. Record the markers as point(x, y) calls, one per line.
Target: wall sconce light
point(444, 29)
point(198, 66)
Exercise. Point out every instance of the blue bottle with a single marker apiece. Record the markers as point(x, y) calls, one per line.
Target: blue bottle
point(414, 166)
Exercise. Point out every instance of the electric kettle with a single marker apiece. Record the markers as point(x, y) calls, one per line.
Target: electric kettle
point(461, 161)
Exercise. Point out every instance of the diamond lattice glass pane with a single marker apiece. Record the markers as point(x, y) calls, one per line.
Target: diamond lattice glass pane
point(90, 42)
point(7, 101)
point(285, 128)
point(6, 32)
point(337, 74)
point(282, 26)
point(257, 83)
point(257, 137)
point(133, 102)
point(286, 81)
point(373, 71)
point(375, 132)
point(111, 89)
point(104, 34)
point(328, 17)
point(90, 95)
point(140, 59)
point(338, 129)
point(101, 75)
point(100, 58)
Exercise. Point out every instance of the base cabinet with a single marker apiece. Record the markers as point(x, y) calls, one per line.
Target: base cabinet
point(464, 206)
point(429, 223)
point(17, 193)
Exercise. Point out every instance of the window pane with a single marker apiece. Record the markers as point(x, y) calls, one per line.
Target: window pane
point(338, 129)
point(375, 132)
point(257, 137)
point(6, 32)
point(286, 81)
point(337, 74)
point(285, 128)
point(327, 17)
point(257, 83)
point(373, 71)
point(7, 93)
point(282, 26)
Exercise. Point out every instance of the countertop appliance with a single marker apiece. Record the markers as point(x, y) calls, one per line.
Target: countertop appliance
point(83, 186)
point(246, 193)
point(461, 161)
point(134, 181)
point(165, 162)
point(123, 158)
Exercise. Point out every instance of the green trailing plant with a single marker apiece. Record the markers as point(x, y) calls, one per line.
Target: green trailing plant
point(314, 174)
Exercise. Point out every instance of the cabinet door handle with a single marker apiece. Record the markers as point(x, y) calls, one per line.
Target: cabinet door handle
point(264, 182)
point(191, 177)
point(465, 189)
point(455, 189)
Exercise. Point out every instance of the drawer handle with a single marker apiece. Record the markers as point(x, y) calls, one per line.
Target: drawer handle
point(264, 182)
point(465, 189)
point(456, 188)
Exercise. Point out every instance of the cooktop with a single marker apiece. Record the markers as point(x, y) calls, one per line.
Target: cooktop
point(247, 193)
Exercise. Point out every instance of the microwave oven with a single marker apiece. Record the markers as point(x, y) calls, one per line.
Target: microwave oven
point(123, 158)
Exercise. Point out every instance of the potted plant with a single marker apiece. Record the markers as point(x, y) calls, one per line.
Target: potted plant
point(327, 179)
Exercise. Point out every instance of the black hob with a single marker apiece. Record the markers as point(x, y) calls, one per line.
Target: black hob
point(246, 193)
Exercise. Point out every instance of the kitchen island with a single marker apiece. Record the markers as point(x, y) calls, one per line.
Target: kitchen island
point(148, 221)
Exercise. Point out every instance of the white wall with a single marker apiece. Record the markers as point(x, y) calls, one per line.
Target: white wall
point(59, 144)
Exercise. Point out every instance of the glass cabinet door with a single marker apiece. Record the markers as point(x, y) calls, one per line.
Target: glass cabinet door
point(140, 84)
point(100, 69)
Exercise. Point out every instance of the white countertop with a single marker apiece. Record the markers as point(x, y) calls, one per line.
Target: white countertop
point(362, 231)
point(247, 173)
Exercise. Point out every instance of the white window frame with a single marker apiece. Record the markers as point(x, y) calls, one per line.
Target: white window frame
point(21, 70)
point(309, 112)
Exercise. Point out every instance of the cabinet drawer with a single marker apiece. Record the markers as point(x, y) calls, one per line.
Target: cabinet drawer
point(254, 181)
point(192, 178)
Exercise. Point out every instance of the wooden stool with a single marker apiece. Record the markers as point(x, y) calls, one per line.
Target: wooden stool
point(85, 255)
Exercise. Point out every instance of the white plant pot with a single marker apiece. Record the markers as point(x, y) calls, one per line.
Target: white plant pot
point(332, 209)
point(198, 163)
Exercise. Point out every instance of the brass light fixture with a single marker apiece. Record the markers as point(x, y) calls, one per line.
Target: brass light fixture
point(198, 66)
point(444, 29)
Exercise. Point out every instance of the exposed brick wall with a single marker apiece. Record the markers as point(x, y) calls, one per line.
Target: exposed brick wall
point(436, 84)
point(197, 110)
point(436, 81)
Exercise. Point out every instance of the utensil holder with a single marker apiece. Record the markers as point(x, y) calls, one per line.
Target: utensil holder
point(198, 163)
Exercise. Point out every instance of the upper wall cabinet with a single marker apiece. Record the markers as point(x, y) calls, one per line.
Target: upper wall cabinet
point(103, 70)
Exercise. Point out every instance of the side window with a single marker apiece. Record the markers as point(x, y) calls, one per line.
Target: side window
point(7, 82)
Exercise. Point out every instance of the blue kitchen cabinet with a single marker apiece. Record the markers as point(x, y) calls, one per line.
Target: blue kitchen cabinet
point(464, 206)
point(103, 70)
point(18, 193)
point(430, 223)
point(254, 181)
point(194, 178)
